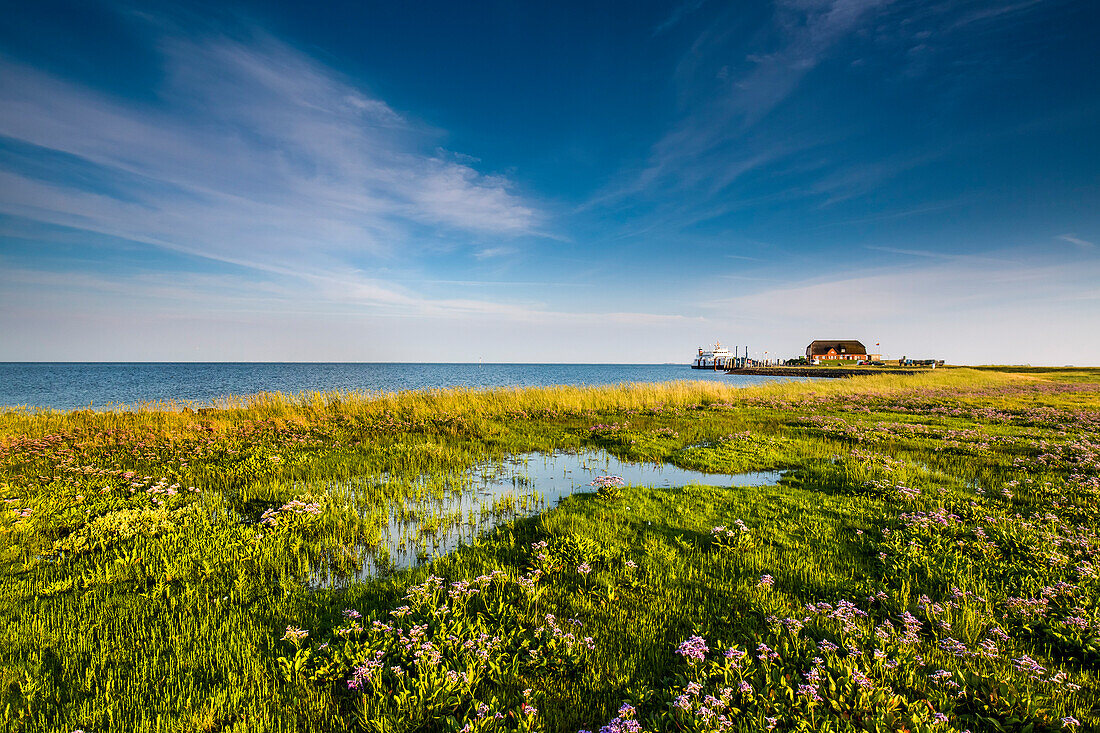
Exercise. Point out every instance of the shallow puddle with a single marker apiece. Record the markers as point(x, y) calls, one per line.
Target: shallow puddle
point(493, 493)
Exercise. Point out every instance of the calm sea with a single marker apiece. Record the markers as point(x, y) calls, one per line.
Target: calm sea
point(68, 385)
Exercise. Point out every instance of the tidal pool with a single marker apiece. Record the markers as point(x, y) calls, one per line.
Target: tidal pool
point(495, 492)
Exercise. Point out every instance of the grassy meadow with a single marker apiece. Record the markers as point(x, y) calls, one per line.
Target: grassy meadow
point(927, 563)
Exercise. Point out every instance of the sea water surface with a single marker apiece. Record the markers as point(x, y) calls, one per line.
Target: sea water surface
point(105, 385)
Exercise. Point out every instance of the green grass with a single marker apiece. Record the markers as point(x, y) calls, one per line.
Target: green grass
point(964, 500)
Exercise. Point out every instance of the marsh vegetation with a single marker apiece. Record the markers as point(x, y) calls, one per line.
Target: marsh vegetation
point(413, 562)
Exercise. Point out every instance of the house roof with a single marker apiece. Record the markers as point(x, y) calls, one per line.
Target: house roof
point(842, 347)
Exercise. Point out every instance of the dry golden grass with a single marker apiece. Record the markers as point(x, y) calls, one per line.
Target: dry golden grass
point(169, 417)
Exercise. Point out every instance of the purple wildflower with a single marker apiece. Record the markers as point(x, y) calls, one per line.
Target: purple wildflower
point(695, 649)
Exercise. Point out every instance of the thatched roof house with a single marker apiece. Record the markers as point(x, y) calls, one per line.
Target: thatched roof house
point(836, 350)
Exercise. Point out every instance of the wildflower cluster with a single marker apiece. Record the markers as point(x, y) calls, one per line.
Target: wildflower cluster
point(445, 649)
point(839, 663)
point(297, 507)
point(737, 537)
point(608, 487)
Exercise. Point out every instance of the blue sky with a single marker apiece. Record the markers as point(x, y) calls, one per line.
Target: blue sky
point(549, 182)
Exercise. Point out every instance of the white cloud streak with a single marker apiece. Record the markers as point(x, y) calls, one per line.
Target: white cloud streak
point(259, 157)
point(719, 139)
point(809, 28)
point(256, 155)
point(1081, 243)
point(490, 252)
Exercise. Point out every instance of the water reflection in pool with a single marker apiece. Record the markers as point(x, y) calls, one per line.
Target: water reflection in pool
point(493, 493)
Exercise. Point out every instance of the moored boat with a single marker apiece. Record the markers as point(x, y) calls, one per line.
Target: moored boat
point(717, 358)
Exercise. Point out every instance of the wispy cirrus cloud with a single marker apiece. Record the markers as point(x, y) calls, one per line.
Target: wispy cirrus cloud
point(745, 139)
point(806, 31)
point(940, 287)
point(679, 12)
point(726, 85)
point(965, 258)
point(253, 154)
point(1075, 240)
point(490, 252)
point(28, 291)
point(991, 11)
